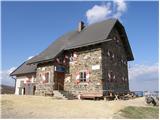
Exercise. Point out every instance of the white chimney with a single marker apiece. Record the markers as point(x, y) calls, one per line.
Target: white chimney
point(80, 26)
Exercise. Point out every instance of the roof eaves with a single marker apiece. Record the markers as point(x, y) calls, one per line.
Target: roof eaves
point(45, 60)
point(23, 73)
point(11, 74)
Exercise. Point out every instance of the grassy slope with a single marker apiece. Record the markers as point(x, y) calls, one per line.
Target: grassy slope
point(140, 112)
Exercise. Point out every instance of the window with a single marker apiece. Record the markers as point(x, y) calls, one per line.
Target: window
point(82, 77)
point(111, 76)
point(123, 80)
point(125, 62)
point(47, 77)
point(126, 80)
point(116, 39)
point(110, 54)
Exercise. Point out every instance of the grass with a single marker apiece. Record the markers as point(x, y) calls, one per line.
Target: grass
point(140, 112)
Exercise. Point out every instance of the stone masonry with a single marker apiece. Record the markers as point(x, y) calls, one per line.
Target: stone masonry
point(43, 87)
point(111, 72)
point(105, 65)
point(114, 62)
point(86, 60)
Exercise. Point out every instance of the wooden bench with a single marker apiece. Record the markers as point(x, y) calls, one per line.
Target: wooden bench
point(91, 95)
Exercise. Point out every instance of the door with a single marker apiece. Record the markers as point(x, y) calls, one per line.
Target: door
point(59, 80)
point(24, 91)
point(34, 89)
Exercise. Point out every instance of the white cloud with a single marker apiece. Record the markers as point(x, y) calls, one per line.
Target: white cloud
point(98, 13)
point(144, 77)
point(121, 5)
point(5, 78)
point(110, 10)
point(143, 70)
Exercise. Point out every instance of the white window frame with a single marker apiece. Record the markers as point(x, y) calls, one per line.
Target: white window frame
point(84, 76)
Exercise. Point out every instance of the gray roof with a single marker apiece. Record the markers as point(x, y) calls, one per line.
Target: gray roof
point(54, 49)
point(24, 69)
point(93, 34)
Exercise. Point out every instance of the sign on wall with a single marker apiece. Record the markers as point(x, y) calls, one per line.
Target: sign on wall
point(95, 67)
point(59, 68)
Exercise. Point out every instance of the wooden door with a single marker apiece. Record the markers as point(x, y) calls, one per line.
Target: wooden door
point(59, 80)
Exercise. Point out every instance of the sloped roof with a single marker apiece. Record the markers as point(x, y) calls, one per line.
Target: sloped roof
point(55, 48)
point(24, 69)
point(93, 34)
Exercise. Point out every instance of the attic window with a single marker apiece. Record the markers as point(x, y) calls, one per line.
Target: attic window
point(110, 54)
point(116, 39)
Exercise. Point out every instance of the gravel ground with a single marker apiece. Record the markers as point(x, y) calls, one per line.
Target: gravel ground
point(13, 106)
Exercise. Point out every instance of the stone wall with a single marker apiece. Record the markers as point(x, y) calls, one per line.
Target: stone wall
point(115, 70)
point(105, 65)
point(89, 60)
point(42, 86)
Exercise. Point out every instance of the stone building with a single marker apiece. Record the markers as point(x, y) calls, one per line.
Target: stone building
point(89, 61)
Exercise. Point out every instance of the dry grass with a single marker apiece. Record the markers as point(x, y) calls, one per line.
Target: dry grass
point(47, 107)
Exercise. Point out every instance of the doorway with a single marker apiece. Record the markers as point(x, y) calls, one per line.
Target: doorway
point(24, 92)
point(59, 80)
point(34, 89)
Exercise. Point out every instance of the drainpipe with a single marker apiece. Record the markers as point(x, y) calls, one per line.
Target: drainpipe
point(14, 84)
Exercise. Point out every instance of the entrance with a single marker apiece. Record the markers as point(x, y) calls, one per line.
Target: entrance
point(34, 89)
point(59, 80)
point(24, 91)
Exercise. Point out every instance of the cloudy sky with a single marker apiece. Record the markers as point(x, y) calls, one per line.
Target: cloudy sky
point(29, 27)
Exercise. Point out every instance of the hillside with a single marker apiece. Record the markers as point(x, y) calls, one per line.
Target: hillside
point(5, 89)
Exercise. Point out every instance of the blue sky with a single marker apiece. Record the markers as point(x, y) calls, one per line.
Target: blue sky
point(29, 27)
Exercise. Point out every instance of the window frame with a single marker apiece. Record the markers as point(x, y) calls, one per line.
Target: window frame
point(83, 76)
point(48, 73)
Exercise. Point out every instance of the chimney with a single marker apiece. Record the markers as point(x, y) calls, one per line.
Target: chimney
point(80, 26)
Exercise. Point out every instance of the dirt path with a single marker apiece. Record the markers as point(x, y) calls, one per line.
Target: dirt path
point(47, 107)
